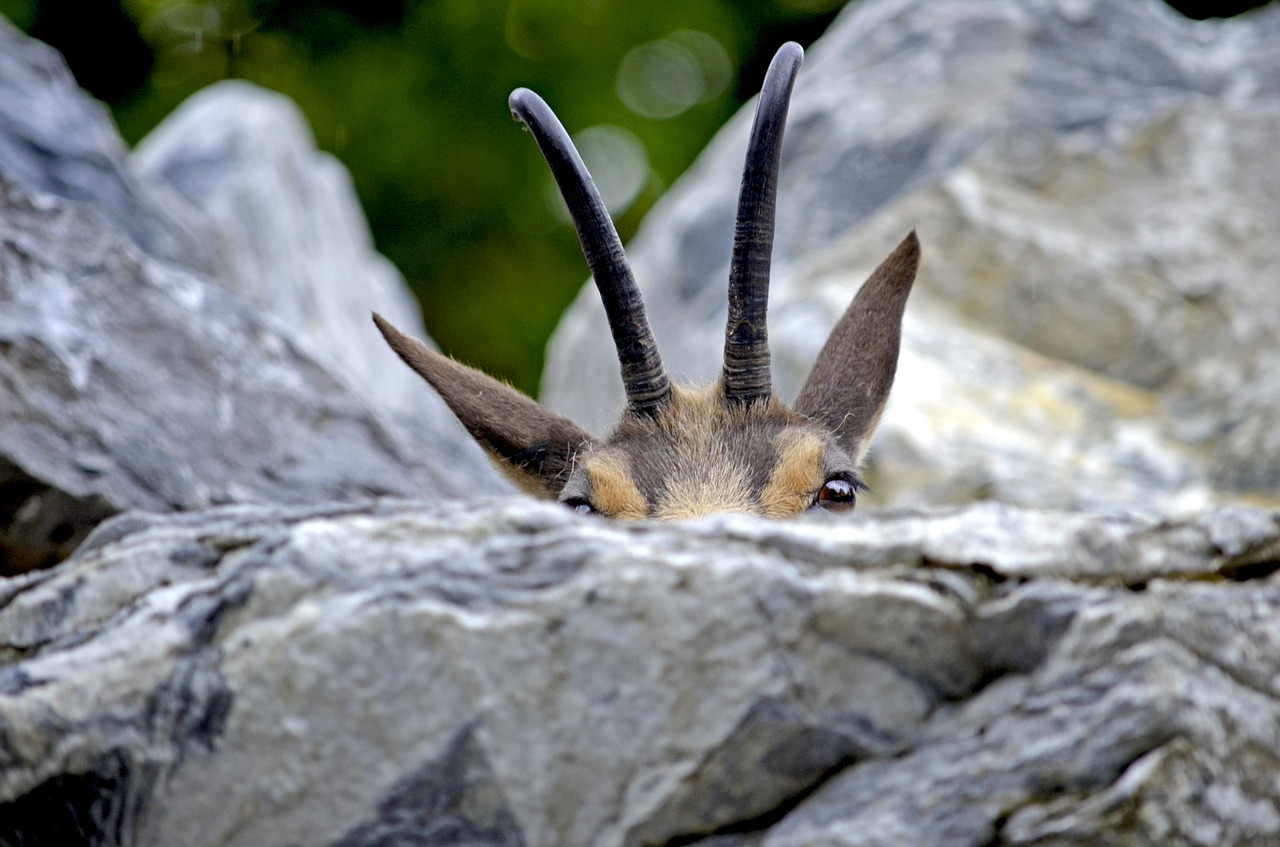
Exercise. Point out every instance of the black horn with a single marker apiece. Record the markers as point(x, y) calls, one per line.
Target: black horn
point(746, 338)
point(643, 376)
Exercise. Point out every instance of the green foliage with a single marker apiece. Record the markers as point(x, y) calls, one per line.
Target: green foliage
point(22, 13)
point(412, 97)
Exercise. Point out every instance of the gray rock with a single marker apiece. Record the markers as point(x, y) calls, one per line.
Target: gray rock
point(285, 671)
point(56, 139)
point(512, 673)
point(126, 382)
point(129, 380)
point(1096, 186)
point(295, 242)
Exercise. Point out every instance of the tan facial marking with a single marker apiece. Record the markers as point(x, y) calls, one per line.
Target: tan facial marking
point(613, 491)
point(711, 479)
point(722, 488)
point(797, 475)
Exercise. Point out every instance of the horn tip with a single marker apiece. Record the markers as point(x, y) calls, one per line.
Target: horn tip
point(521, 102)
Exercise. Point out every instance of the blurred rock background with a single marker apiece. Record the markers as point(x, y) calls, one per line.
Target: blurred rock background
point(411, 97)
point(1096, 323)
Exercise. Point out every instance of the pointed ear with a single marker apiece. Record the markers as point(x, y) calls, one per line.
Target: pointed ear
point(850, 382)
point(535, 447)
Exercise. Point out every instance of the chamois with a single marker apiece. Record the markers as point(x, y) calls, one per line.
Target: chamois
point(681, 452)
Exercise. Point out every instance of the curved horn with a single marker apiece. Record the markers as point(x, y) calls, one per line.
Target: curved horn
point(643, 376)
point(746, 337)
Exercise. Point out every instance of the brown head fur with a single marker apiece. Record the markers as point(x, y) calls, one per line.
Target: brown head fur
point(679, 452)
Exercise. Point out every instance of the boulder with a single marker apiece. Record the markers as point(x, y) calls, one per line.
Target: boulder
point(294, 241)
point(1096, 185)
point(127, 382)
point(507, 672)
point(57, 140)
point(135, 372)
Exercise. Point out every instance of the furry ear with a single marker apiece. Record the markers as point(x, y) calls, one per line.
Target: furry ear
point(534, 447)
point(850, 381)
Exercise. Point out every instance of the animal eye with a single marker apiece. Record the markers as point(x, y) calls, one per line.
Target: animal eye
point(580, 505)
point(836, 495)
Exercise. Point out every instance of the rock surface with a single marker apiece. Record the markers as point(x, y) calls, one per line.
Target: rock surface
point(508, 673)
point(282, 671)
point(130, 383)
point(131, 373)
point(295, 242)
point(57, 140)
point(1096, 185)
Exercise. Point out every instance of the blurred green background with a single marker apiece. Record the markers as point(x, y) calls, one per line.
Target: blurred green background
point(412, 96)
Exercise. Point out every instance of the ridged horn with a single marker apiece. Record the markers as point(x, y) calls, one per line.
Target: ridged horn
point(746, 337)
point(643, 376)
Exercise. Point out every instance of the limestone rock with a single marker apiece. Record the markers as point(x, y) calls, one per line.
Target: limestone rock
point(512, 673)
point(126, 382)
point(56, 139)
point(1096, 186)
point(132, 375)
point(295, 242)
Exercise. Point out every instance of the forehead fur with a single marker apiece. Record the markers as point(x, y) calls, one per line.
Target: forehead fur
point(703, 455)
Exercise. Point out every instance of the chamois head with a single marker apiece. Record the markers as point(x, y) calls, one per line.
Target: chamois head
point(681, 452)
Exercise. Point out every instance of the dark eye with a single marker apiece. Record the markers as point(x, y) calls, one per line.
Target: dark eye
point(836, 495)
point(580, 505)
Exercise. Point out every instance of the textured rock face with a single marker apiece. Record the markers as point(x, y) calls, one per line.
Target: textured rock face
point(131, 373)
point(59, 141)
point(1096, 186)
point(295, 242)
point(130, 383)
point(512, 674)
